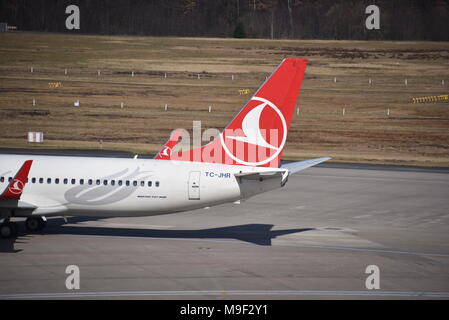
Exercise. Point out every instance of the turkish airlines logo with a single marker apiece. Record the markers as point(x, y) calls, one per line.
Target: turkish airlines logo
point(166, 152)
point(16, 187)
point(252, 134)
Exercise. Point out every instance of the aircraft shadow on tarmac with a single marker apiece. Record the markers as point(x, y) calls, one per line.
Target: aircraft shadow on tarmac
point(259, 234)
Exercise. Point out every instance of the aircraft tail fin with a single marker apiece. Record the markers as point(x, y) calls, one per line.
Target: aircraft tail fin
point(167, 149)
point(17, 184)
point(256, 136)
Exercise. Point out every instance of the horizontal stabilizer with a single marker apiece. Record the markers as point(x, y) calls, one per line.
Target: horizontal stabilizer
point(294, 167)
point(260, 175)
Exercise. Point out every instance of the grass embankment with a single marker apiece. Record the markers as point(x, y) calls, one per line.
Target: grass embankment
point(412, 134)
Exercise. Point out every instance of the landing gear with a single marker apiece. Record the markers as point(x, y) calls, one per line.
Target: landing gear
point(8, 229)
point(34, 224)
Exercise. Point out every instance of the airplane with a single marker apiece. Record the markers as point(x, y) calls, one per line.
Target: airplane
point(242, 161)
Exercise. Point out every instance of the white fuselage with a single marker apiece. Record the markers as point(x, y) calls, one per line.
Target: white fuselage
point(90, 186)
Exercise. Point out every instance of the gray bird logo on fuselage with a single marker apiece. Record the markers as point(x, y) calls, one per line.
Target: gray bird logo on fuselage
point(99, 194)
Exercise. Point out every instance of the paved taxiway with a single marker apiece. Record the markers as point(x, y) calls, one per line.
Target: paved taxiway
point(311, 239)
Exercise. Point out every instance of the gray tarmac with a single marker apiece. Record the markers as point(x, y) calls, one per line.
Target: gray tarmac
point(312, 239)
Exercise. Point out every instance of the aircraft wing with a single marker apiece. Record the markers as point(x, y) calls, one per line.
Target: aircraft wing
point(294, 167)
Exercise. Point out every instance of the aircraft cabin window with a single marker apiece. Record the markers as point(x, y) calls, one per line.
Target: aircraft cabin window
point(73, 181)
point(9, 179)
point(2, 179)
point(142, 183)
point(105, 182)
point(66, 181)
point(135, 183)
point(33, 180)
point(112, 182)
point(98, 182)
point(157, 184)
point(90, 182)
point(120, 182)
point(57, 180)
point(127, 182)
point(149, 183)
point(41, 180)
point(81, 181)
point(49, 181)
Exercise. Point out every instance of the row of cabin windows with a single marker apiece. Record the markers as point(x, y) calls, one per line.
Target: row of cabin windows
point(91, 182)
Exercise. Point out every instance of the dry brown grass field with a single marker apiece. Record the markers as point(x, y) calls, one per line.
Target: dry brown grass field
point(412, 134)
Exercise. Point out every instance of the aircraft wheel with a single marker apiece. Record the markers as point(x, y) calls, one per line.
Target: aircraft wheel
point(35, 224)
point(8, 230)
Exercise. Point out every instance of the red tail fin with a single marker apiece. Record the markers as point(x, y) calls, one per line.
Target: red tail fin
point(15, 187)
point(257, 135)
point(166, 151)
